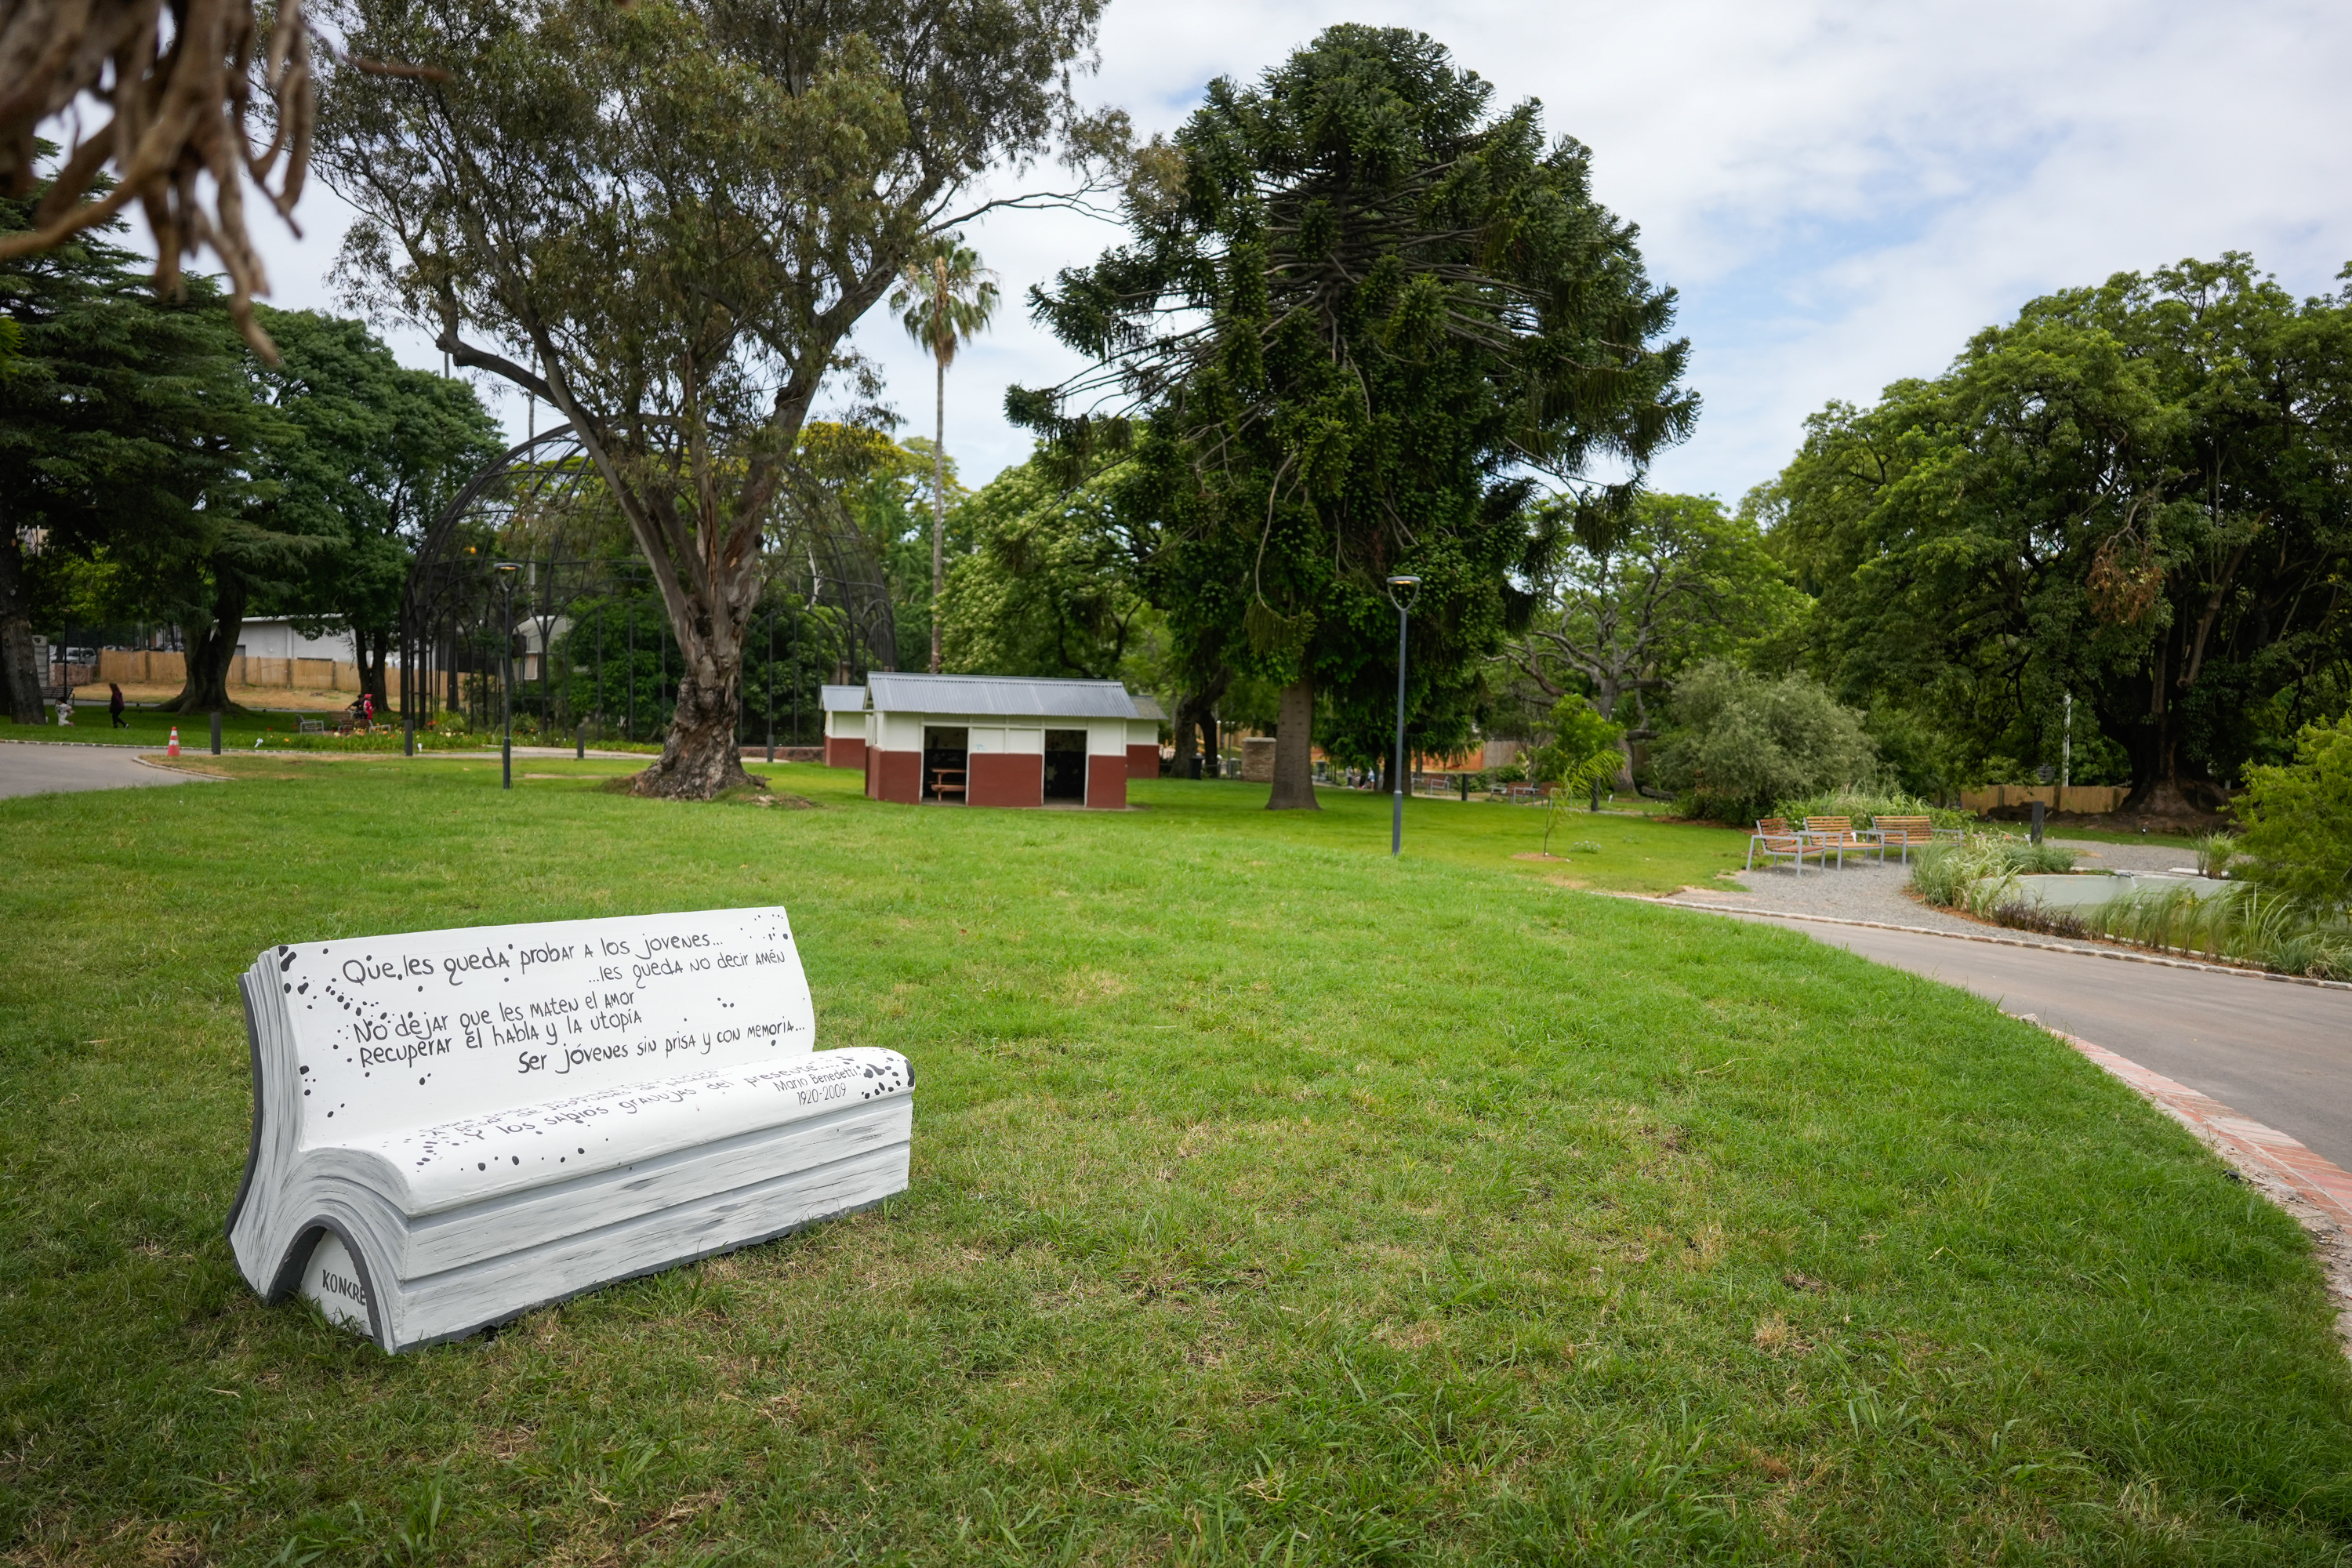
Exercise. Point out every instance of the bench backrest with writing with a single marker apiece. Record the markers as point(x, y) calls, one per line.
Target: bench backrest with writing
point(398, 1032)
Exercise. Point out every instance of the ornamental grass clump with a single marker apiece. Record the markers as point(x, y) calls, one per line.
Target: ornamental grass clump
point(1980, 873)
point(2242, 924)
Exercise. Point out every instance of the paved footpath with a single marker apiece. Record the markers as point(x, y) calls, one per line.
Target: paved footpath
point(2278, 1053)
point(35, 767)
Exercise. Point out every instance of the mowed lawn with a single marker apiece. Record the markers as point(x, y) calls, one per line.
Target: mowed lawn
point(1272, 1202)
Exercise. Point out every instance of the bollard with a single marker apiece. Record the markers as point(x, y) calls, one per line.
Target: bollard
point(215, 731)
point(2037, 822)
point(580, 742)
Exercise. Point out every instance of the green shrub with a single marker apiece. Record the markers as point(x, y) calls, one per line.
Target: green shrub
point(1742, 742)
point(1866, 806)
point(2298, 817)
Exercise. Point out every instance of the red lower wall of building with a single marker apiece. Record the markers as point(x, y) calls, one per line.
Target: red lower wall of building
point(895, 775)
point(1106, 784)
point(849, 752)
point(1005, 778)
point(1143, 762)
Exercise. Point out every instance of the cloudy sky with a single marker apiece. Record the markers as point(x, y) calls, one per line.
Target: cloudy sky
point(1842, 194)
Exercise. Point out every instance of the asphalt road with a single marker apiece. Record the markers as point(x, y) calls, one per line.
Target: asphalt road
point(33, 768)
point(2280, 1054)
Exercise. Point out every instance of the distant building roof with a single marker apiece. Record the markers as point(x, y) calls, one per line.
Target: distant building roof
point(1148, 707)
point(999, 696)
point(843, 698)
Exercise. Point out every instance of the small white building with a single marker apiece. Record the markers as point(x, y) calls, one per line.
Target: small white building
point(276, 637)
point(845, 725)
point(990, 740)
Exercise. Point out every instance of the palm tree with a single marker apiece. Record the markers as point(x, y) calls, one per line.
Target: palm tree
point(945, 297)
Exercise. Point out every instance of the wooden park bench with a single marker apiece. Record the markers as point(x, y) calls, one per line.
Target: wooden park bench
point(451, 1128)
point(1776, 840)
point(1903, 832)
point(1838, 834)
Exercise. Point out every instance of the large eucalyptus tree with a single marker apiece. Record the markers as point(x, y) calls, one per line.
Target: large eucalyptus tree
point(666, 219)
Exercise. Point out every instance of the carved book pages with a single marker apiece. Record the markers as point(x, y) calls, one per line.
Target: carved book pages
point(451, 1128)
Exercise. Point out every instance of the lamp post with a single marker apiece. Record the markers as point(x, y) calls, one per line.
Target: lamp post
point(1403, 591)
point(506, 571)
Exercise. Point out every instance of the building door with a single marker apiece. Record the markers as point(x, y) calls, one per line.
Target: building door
point(1066, 765)
point(946, 760)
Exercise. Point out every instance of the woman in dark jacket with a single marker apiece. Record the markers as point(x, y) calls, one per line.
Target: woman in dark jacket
point(114, 705)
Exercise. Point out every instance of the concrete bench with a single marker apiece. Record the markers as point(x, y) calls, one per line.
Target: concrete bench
point(452, 1128)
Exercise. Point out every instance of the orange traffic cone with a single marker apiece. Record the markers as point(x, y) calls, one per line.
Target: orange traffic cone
point(174, 749)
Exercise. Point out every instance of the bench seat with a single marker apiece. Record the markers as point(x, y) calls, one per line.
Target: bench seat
point(414, 1228)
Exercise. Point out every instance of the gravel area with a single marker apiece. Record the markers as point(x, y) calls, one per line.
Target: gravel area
point(1862, 889)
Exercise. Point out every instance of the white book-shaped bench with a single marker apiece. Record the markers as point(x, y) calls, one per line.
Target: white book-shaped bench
point(451, 1128)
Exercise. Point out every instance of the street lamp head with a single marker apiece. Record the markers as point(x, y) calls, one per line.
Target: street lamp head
point(507, 570)
point(1403, 591)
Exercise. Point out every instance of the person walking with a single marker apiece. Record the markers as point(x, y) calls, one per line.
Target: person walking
point(367, 710)
point(114, 705)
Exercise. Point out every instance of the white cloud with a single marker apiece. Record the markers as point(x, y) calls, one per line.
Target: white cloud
point(1843, 193)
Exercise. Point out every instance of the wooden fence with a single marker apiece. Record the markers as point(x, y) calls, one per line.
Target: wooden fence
point(148, 667)
point(2073, 797)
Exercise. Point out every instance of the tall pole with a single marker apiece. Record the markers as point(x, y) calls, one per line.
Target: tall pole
point(507, 570)
point(771, 683)
point(1402, 593)
point(2066, 746)
point(941, 344)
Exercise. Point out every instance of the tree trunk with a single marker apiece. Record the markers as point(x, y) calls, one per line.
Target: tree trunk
point(211, 650)
point(1195, 715)
point(373, 654)
point(1294, 746)
point(699, 757)
point(16, 637)
point(1606, 695)
point(377, 682)
point(938, 511)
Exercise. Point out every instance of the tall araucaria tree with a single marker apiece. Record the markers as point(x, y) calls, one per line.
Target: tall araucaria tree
point(1360, 315)
point(665, 219)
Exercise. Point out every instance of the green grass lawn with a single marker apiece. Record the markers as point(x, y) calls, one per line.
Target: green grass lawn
point(1272, 1202)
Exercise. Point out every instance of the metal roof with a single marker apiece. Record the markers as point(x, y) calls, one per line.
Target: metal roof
point(841, 699)
point(999, 696)
point(1147, 706)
